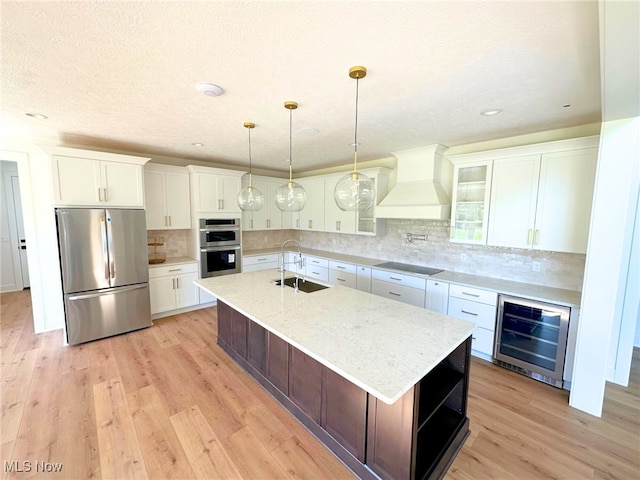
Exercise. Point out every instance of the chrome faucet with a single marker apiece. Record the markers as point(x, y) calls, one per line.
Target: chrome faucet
point(283, 263)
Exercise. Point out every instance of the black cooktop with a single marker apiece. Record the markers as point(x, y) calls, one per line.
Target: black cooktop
point(405, 267)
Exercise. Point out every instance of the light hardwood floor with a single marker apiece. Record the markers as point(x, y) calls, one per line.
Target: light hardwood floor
point(166, 402)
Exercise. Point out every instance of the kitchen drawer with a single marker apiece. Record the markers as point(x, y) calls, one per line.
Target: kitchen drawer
point(482, 341)
point(481, 314)
point(402, 293)
point(342, 267)
point(317, 262)
point(259, 259)
point(399, 279)
point(337, 277)
point(321, 273)
point(170, 270)
point(474, 294)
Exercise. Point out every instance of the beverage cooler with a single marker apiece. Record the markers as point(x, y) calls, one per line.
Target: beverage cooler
point(531, 338)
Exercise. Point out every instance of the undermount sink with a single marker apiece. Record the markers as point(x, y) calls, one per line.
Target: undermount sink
point(303, 285)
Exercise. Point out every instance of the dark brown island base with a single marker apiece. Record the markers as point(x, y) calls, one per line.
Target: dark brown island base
point(417, 437)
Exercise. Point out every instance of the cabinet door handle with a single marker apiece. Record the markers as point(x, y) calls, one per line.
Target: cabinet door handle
point(173, 283)
point(396, 294)
point(535, 236)
point(469, 313)
point(297, 223)
point(316, 273)
point(99, 194)
point(470, 294)
point(529, 236)
point(169, 220)
point(106, 196)
point(340, 267)
point(177, 282)
point(176, 270)
point(397, 279)
point(261, 259)
point(310, 224)
point(252, 224)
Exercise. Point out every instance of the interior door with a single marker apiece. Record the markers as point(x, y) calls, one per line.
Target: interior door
point(17, 205)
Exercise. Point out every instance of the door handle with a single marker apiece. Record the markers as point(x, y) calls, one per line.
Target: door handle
point(105, 252)
point(529, 237)
point(112, 263)
point(108, 291)
point(106, 197)
point(535, 236)
point(469, 313)
point(99, 194)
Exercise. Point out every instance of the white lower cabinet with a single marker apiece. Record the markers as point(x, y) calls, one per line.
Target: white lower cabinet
point(477, 306)
point(396, 286)
point(253, 263)
point(171, 287)
point(437, 296)
point(316, 267)
point(363, 278)
point(342, 274)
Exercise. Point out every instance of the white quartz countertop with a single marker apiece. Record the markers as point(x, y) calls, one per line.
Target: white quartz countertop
point(381, 345)
point(531, 291)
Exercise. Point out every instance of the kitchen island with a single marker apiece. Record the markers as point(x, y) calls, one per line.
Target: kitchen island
point(382, 384)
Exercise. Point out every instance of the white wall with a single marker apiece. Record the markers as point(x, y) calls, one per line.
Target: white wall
point(36, 194)
point(607, 263)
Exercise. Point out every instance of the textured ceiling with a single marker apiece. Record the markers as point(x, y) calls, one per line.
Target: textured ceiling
point(123, 75)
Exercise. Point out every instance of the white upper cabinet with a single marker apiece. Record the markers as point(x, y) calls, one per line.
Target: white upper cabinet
point(543, 201)
point(469, 209)
point(336, 220)
point(88, 178)
point(312, 215)
point(215, 190)
point(513, 201)
point(269, 217)
point(167, 197)
point(565, 194)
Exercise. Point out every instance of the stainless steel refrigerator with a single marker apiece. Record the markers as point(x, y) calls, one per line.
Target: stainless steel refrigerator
point(105, 272)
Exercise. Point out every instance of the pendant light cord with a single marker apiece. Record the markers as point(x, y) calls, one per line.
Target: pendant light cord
point(250, 169)
point(290, 142)
point(355, 135)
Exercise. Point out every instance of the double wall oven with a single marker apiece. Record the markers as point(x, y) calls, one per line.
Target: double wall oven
point(220, 246)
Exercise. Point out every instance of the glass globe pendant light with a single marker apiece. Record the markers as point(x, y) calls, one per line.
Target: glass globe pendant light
point(355, 191)
point(291, 196)
point(250, 199)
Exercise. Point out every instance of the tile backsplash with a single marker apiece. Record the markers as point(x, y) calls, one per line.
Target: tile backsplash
point(175, 241)
point(560, 270)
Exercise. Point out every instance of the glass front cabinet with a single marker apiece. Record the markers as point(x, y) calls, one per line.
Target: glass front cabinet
point(470, 202)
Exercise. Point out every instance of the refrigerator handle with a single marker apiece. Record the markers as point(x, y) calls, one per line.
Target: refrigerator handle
point(105, 253)
point(112, 264)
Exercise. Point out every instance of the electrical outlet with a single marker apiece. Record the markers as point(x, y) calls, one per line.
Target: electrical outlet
point(535, 267)
point(463, 257)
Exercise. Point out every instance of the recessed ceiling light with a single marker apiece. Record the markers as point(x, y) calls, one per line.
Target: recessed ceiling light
point(309, 132)
point(488, 113)
point(197, 144)
point(36, 115)
point(209, 89)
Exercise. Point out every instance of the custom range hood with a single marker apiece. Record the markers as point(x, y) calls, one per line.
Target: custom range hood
point(423, 186)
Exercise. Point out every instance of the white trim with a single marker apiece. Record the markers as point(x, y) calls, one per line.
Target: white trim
point(94, 155)
point(191, 308)
point(215, 171)
point(533, 149)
